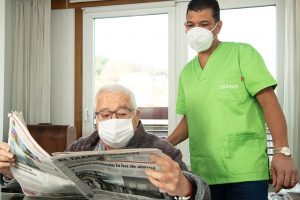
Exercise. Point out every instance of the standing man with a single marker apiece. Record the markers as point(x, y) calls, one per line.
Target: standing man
point(226, 95)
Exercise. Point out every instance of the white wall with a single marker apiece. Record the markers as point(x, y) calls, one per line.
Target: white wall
point(8, 66)
point(2, 40)
point(62, 66)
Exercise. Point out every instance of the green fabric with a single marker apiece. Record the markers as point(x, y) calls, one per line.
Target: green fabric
point(225, 122)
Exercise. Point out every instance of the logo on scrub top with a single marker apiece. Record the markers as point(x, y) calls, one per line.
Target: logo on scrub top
point(228, 86)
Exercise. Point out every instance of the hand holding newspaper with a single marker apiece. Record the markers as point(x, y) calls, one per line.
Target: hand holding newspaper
point(116, 174)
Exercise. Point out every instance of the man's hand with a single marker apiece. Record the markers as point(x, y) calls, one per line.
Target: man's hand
point(169, 178)
point(284, 172)
point(6, 160)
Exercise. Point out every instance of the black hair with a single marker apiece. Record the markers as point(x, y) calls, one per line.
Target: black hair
point(199, 5)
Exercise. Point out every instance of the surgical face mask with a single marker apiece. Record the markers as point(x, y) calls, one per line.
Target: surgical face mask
point(200, 39)
point(116, 132)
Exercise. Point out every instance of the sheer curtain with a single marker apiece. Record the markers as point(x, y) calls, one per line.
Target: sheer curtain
point(292, 75)
point(31, 59)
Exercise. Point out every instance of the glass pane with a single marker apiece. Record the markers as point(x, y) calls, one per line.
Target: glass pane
point(256, 26)
point(133, 51)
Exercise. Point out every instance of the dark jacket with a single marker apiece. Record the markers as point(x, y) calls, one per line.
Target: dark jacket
point(142, 139)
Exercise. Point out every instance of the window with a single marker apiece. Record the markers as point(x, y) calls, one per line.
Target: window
point(133, 49)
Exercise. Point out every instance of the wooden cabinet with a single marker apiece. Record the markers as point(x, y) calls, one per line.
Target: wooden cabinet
point(53, 138)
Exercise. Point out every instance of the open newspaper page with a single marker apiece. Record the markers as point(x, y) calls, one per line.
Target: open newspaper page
point(116, 174)
point(34, 169)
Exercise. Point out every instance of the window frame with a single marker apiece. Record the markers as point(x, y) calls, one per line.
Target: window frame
point(89, 14)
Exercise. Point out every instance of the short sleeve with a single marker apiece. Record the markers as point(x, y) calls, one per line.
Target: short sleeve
point(180, 103)
point(254, 71)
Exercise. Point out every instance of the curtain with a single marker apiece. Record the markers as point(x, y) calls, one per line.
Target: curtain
point(31, 59)
point(291, 105)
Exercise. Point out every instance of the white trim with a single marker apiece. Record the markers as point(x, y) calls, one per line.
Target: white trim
point(172, 71)
point(124, 13)
point(182, 50)
point(129, 7)
point(226, 4)
point(88, 74)
point(181, 44)
point(280, 40)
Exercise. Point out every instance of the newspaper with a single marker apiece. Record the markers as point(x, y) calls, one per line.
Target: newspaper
point(279, 196)
point(115, 174)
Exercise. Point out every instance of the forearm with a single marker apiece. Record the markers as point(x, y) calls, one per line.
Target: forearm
point(274, 118)
point(283, 168)
point(180, 133)
point(278, 128)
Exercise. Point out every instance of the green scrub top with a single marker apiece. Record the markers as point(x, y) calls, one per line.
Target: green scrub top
point(225, 122)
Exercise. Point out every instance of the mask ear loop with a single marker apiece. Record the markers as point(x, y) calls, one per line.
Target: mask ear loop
point(185, 28)
point(214, 29)
point(134, 112)
point(133, 117)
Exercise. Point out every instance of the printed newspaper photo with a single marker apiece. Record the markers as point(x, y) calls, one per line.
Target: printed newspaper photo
point(117, 173)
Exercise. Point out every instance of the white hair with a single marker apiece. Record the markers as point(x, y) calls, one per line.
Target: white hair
point(117, 88)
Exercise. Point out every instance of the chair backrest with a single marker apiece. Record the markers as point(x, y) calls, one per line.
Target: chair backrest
point(53, 138)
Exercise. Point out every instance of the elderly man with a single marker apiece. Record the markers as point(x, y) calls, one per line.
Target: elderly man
point(119, 126)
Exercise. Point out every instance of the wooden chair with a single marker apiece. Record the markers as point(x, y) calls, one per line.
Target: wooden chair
point(53, 138)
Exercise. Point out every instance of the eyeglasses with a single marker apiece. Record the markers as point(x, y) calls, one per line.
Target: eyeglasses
point(121, 113)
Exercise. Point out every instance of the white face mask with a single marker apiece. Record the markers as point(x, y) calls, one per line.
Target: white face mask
point(116, 132)
point(200, 39)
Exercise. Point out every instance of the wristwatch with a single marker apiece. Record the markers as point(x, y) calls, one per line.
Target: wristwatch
point(283, 150)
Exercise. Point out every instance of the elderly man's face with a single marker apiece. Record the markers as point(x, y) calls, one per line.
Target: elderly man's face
point(116, 103)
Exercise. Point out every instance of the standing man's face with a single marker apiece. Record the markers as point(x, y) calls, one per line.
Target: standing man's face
point(204, 19)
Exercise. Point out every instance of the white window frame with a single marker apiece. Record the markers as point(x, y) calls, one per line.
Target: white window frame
point(89, 14)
